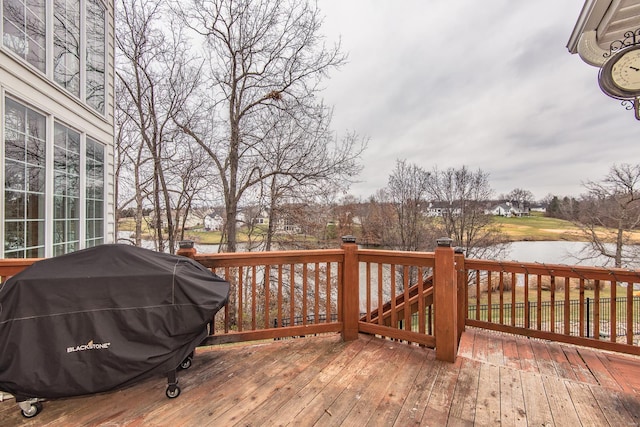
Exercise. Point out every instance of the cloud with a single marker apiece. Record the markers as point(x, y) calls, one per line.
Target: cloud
point(489, 85)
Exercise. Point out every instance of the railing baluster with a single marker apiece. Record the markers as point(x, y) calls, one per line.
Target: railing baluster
point(567, 307)
point(316, 300)
point(267, 292)
point(305, 287)
point(292, 293)
point(394, 314)
point(328, 295)
point(596, 310)
point(539, 303)
point(489, 292)
point(552, 285)
point(421, 311)
point(407, 304)
point(527, 309)
point(478, 294)
point(368, 303)
point(630, 313)
point(613, 315)
point(240, 300)
point(340, 292)
point(380, 295)
point(501, 288)
point(513, 298)
point(582, 308)
point(280, 297)
point(254, 297)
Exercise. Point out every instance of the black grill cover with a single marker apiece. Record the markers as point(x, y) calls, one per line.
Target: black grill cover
point(102, 318)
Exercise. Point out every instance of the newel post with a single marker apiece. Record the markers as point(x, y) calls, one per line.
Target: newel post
point(445, 301)
point(350, 289)
point(187, 249)
point(463, 297)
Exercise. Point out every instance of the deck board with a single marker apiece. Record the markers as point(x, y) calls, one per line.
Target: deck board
point(512, 409)
point(496, 379)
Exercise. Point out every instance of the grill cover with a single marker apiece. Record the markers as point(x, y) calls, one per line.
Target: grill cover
point(102, 318)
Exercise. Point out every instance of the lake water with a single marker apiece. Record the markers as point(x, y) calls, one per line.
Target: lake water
point(553, 252)
point(549, 252)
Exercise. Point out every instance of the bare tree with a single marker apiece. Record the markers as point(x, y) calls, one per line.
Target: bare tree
point(407, 191)
point(522, 197)
point(133, 181)
point(302, 160)
point(464, 195)
point(609, 212)
point(264, 57)
point(156, 76)
point(379, 221)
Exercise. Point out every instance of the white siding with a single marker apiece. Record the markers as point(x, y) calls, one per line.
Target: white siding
point(27, 85)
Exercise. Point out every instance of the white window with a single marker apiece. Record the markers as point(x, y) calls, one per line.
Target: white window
point(78, 61)
point(94, 162)
point(66, 190)
point(66, 44)
point(77, 200)
point(24, 30)
point(24, 183)
point(96, 59)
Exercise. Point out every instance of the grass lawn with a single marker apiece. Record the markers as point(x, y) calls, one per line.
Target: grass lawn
point(537, 227)
point(529, 228)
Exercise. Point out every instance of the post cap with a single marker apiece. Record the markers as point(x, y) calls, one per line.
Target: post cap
point(348, 239)
point(444, 242)
point(186, 244)
point(458, 250)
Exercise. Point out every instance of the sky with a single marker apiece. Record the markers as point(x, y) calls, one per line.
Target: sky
point(486, 84)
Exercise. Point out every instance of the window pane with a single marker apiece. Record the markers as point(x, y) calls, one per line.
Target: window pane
point(35, 151)
point(24, 172)
point(66, 41)
point(96, 48)
point(66, 212)
point(94, 193)
point(14, 175)
point(35, 232)
point(36, 179)
point(36, 33)
point(24, 30)
point(13, 235)
point(35, 252)
point(35, 206)
point(13, 205)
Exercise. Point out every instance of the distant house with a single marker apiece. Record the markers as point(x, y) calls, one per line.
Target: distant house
point(538, 208)
point(213, 222)
point(438, 209)
point(509, 209)
point(500, 210)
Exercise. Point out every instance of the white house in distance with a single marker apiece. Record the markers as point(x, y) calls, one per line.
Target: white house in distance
point(213, 221)
point(57, 126)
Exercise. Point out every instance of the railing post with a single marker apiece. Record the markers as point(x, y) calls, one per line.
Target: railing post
point(463, 286)
point(350, 289)
point(445, 301)
point(186, 249)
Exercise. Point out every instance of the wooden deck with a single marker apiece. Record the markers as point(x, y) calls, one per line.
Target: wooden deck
point(496, 379)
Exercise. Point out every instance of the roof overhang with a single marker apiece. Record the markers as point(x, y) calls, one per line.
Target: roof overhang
point(601, 23)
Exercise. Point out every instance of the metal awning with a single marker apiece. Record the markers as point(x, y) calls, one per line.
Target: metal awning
point(602, 23)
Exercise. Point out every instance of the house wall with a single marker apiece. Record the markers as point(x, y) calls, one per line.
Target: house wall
point(25, 84)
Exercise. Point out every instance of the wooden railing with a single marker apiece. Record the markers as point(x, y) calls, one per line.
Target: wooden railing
point(589, 306)
point(294, 293)
point(278, 294)
point(421, 298)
